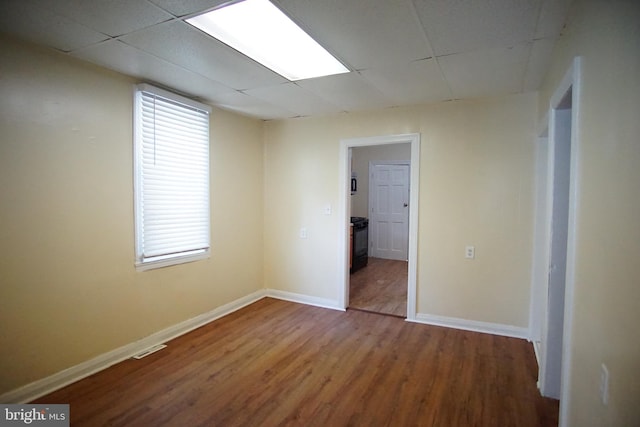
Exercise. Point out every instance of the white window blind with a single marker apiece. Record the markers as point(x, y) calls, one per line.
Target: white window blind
point(172, 178)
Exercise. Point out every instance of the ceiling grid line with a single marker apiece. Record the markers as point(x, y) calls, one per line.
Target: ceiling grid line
point(400, 52)
point(524, 76)
point(426, 40)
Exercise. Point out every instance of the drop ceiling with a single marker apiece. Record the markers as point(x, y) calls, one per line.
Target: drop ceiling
point(400, 52)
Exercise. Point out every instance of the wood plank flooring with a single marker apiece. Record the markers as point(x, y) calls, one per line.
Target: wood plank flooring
point(380, 287)
point(277, 363)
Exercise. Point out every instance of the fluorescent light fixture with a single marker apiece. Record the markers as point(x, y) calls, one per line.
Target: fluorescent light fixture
point(264, 33)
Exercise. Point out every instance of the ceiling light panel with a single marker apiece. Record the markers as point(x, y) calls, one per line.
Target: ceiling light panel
point(264, 33)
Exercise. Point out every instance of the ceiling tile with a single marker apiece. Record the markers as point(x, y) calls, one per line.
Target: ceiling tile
point(183, 45)
point(292, 97)
point(131, 61)
point(551, 19)
point(486, 72)
point(364, 34)
point(348, 91)
point(483, 47)
point(251, 106)
point(416, 83)
point(187, 7)
point(27, 20)
point(113, 17)
point(463, 26)
point(538, 63)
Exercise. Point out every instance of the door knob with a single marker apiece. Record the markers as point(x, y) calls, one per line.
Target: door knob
point(405, 205)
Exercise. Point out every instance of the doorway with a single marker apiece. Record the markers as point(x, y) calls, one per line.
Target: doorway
point(346, 211)
point(560, 167)
point(381, 200)
point(555, 237)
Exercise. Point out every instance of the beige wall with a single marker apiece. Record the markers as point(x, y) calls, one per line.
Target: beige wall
point(68, 287)
point(476, 188)
point(360, 165)
point(607, 282)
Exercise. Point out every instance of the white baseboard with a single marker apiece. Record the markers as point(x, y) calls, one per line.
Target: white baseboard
point(58, 380)
point(303, 299)
point(472, 325)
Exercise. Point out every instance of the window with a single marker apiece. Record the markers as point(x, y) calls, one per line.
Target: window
point(171, 162)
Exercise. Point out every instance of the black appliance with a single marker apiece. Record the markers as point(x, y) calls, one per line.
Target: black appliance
point(360, 246)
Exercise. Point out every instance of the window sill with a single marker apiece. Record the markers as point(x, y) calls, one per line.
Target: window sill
point(152, 265)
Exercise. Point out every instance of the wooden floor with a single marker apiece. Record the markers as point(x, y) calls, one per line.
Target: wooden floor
point(380, 287)
point(278, 363)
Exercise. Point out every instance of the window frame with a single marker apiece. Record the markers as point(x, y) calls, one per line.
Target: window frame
point(142, 263)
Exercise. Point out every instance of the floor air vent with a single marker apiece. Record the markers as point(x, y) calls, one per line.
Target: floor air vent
point(149, 351)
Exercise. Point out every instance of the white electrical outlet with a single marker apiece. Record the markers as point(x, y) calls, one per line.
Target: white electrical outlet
point(470, 252)
point(604, 384)
point(303, 233)
point(327, 210)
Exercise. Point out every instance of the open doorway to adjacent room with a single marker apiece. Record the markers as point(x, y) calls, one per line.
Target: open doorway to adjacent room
point(380, 191)
point(380, 177)
point(555, 240)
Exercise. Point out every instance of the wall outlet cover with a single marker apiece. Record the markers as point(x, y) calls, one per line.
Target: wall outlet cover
point(470, 252)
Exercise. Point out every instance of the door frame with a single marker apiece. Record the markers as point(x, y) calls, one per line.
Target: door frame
point(540, 263)
point(557, 262)
point(372, 165)
point(344, 210)
point(570, 82)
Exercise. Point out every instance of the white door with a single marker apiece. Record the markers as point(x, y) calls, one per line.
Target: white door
point(389, 211)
